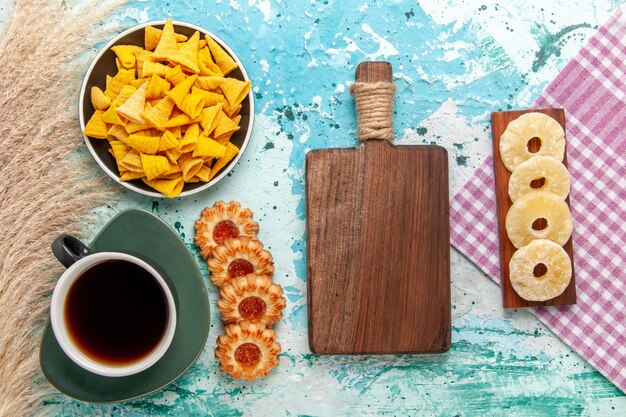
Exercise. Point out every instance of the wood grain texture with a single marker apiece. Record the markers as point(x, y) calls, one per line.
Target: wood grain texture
point(510, 298)
point(378, 246)
point(372, 72)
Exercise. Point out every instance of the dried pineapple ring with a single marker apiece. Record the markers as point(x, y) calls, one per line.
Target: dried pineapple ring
point(553, 173)
point(529, 208)
point(549, 285)
point(514, 140)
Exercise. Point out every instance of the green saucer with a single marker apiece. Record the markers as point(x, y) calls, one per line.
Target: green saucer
point(141, 234)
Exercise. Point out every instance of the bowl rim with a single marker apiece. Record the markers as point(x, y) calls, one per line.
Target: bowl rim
point(111, 173)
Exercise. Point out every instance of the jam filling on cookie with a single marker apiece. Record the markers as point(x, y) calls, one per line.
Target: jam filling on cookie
point(225, 230)
point(252, 308)
point(248, 354)
point(240, 267)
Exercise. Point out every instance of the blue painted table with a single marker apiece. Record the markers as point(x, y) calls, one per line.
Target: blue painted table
point(454, 62)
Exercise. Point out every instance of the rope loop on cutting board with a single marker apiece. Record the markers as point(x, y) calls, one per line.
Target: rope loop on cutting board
point(374, 109)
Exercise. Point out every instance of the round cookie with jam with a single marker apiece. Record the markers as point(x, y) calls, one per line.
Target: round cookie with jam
point(239, 257)
point(220, 222)
point(254, 298)
point(247, 350)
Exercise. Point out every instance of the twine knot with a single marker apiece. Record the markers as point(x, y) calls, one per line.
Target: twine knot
point(374, 109)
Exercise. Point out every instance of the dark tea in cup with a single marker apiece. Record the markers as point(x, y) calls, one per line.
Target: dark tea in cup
point(112, 313)
point(116, 312)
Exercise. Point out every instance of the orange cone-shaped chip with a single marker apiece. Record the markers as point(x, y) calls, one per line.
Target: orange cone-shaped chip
point(143, 144)
point(177, 131)
point(221, 57)
point(187, 55)
point(192, 104)
point(118, 132)
point(125, 93)
point(126, 54)
point(189, 165)
point(208, 147)
point(189, 141)
point(111, 117)
point(235, 90)
point(210, 118)
point(167, 46)
point(210, 98)
point(170, 188)
point(141, 57)
point(179, 92)
point(180, 119)
point(175, 75)
point(120, 149)
point(96, 127)
point(153, 36)
point(231, 151)
point(150, 68)
point(131, 175)
point(225, 125)
point(209, 82)
point(206, 64)
point(167, 141)
point(99, 100)
point(114, 86)
point(203, 173)
point(139, 82)
point(173, 154)
point(133, 107)
point(132, 161)
point(154, 165)
point(157, 88)
point(158, 115)
point(232, 111)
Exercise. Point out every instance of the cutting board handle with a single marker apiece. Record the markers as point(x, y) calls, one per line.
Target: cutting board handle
point(373, 92)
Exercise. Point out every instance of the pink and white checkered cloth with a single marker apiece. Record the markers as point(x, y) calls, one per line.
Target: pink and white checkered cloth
point(592, 90)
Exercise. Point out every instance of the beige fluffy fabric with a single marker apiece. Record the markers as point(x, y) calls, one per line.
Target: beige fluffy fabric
point(47, 184)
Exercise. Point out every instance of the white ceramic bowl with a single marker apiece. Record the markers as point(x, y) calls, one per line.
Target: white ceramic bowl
point(60, 328)
point(104, 63)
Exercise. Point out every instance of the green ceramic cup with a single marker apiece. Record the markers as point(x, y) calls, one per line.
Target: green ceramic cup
point(145, 236)
point(79, 259)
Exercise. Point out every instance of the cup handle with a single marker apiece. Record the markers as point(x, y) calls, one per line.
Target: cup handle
point(68, 250)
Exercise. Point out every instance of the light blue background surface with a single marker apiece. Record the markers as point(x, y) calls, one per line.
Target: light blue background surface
point(454, 62)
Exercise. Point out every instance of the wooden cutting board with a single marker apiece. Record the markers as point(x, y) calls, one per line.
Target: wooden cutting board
point(378, 245)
